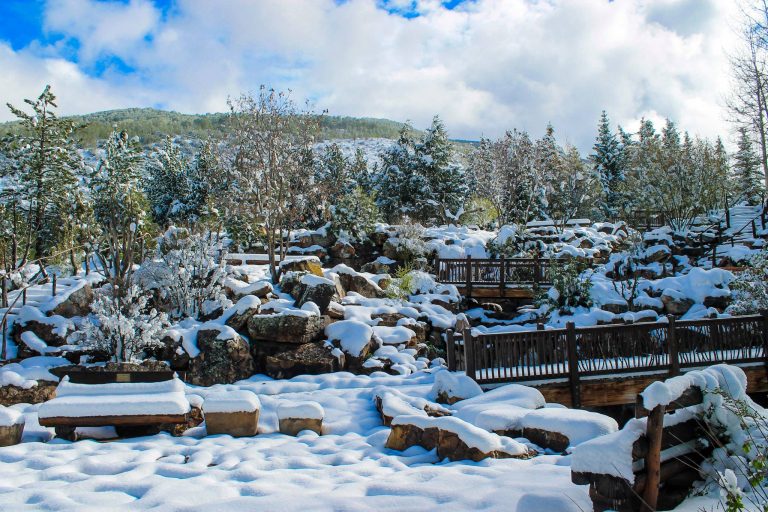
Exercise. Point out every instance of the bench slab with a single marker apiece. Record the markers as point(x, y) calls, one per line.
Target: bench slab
point(117, 421)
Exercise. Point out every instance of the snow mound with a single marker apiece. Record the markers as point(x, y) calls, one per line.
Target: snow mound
point(577, 425)
point(231, 401)
point(353, 335)
point(10, 417)
point(451, 385)
point(300, 410)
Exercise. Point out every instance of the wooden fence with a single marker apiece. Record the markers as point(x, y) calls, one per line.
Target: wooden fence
point(546, 354)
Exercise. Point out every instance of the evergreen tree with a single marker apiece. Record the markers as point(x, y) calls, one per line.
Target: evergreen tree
point(167, 184)
point(748, 183)
point(607, 161)
point(399, 185)
point(41, 180)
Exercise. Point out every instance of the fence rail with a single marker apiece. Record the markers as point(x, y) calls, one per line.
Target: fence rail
point(548, 354)
point(475, 272)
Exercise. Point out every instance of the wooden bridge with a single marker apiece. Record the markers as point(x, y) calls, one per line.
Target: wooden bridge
point(497, 278)
point(611, 364)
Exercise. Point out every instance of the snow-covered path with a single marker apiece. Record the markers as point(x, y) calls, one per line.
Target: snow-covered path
point(348, 468)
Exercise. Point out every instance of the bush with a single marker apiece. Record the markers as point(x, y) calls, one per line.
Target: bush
point(409, 244)
point(750, 288)
point(354, 216)
point(571, 287)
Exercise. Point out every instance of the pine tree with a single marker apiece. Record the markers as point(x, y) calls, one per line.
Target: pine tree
point(42, 175)
point(167, 185)
point(748, 183)
point(607, 161)
point(400, 186)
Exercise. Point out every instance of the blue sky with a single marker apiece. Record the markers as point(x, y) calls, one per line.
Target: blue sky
point(484, 65)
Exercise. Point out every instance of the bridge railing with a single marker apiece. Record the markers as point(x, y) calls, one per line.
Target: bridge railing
point(548, 354)
point(502, 272)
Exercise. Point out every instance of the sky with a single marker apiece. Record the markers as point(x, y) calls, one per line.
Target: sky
point(485, 66)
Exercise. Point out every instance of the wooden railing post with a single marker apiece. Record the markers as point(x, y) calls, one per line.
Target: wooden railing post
point(764, 312)
point(754, 229)
point(469, 354)
point(674, 361)
point(437, 268)
point(654, 431)
point(502, 275)
point(573, 365)
point(24, 297)
point(53, 284)
point(4, 292)
point(536, 268)
point(450, 353)
point(469, 276)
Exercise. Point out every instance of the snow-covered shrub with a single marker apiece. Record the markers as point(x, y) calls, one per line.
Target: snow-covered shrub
point(408, 281)
point(120, 324)
point(410, 244)
point(738, 467)
point(355, 215)
point(571, 287)
point(510, 242)
point(750, 287)
point(186, 273)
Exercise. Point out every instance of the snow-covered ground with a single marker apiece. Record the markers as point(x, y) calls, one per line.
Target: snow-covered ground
point(348, 468)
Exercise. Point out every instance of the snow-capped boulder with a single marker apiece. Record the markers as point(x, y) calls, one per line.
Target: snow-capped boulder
point(342, 250)
point(353, 337)
point(353, 281)
point(675, 302)
point(224, 357)
point(558, 428)
point(320, 290)
point(450, 388)
point(309, 264)
point(306, 359)
point(77, 303)
point(235, 413)
point(51, 330)
point(295, 327)
point(238, 315)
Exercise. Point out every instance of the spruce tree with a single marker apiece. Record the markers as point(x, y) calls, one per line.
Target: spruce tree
point(607, 161)
point(748, 183)
point(42, 175)
point(400, 186)
point(167, 184)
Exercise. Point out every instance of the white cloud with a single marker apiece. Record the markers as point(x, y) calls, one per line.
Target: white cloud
point(488, 66)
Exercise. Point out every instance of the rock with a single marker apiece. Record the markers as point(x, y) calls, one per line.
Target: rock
point(335, 311)
point(388, 319)
point(547, 439)
point(675, 303)
point(44, 391)
point(286, 328)
point(323, 238)
point(52, 330)
point(316, 289)
point(492, 306)
point(354, 282)
point(379, 266)
point(306, 359)
point(78, 303)
point(236, 288)
point(296, 417)
point(719, 301)
point(220, 361)
point(194, 419)
point(289, 282)
point(235, 413)
point(450, 388)
point(657, 253)
point(244, 310)
point(342, 250)
point(310, 264)
point(615, 307)
point(11, 434)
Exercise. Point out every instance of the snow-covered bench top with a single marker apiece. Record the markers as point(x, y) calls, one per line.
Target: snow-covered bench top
point(141, 400)
point(300, 410)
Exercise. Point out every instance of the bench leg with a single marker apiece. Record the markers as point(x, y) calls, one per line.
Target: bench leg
point(137, 431)
point(67, 433)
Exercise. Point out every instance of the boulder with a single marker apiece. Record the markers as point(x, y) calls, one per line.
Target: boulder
point(316, 289)
point(450, 388)
point(44, 391)
point(718, 301)
point(657, 253)
point(615, 307)
point(306, 359)
point(287, 328)
point(310, 264)
point(379, 266)
point(53, 330)
point(354, 282)
point(243, 311)
point(289, 282)
point(78, 303)
point(342, 250)
point(675, 303)
point(224, 358)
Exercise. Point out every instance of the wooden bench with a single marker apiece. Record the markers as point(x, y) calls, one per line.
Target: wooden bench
point(133, 408)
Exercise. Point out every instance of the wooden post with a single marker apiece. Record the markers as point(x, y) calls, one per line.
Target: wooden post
point(53, 284)
point(468, 285)
point(573, 365)
point(450, 350)
point(674, 361)
point(536, 268)
point(4, 353)
point(24, 297)
point(502, 275)
point(437, 268)
point(714, 254)
point(653, 458)
point(754, 229)
point(765, 334)
point(469, 354)
point(727, 214)
point(4, 293)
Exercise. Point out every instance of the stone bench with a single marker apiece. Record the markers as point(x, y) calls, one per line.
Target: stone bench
point(232, 412)
point(297, 416)
point(11, 426)
point(131, 407)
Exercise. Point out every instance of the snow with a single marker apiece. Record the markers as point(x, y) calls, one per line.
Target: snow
point(231, 401)
point(313, 280)
point(610, 454)
point(727, 377)
point(27, 372)
point(116, 399)
point(577, 425)
point(396, 335)
point(10, 417)
point(300, 410)
point(353, 335)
